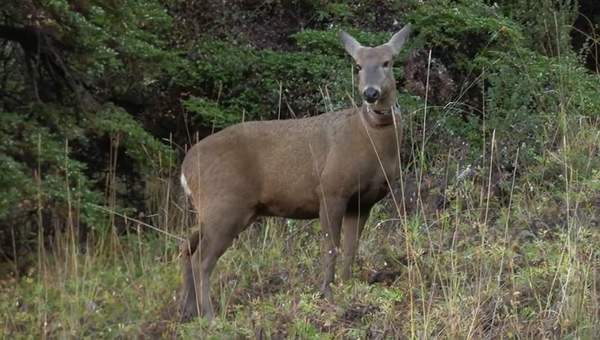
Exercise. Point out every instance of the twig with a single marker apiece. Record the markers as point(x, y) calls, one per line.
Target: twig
point(110, 211)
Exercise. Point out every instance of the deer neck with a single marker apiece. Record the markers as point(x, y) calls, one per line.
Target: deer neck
point(379, 115)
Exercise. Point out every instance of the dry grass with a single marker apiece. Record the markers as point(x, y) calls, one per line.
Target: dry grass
point(512, 257)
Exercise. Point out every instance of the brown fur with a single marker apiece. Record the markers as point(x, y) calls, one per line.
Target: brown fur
point(334, 166)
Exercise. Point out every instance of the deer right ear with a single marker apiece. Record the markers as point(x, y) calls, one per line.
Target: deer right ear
point(350, 44)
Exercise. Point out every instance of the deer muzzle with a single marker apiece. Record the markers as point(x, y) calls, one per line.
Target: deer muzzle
point(371, 94)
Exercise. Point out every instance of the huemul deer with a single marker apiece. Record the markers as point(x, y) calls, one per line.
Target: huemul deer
point(334, 166)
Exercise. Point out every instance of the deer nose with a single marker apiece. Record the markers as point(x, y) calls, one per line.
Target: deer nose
point(371, 94)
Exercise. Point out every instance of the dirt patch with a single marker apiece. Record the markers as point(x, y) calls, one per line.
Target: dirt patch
point(376, 16)
point(274, 282)
point(384, 276)
point(270, 24)
point(429, 197)
point(259, 23)
point(357, 312)
point(442, 88)
point(164, 327)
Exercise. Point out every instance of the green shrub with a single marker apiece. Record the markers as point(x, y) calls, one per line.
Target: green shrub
point(39, 172)
point(460, 30)
point(527, 94)
point(547, 24)
point(243, 79)
point(151, 156)
point(206, 112)
point(45, 163)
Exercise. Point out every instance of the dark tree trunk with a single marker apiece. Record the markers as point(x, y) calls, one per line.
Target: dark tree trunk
point(44, 55)
point(586, 26)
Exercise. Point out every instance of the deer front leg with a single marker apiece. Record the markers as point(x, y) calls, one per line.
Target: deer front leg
point(353, 225)
point(331, 214)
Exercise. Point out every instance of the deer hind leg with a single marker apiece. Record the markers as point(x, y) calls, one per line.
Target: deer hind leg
point(218, 232)
point(189, 307)
point(353, 225)
point(331, 214)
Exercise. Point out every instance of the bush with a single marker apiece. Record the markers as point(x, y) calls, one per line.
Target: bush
point(510, 86)
point(54, 167)
point(245, 80)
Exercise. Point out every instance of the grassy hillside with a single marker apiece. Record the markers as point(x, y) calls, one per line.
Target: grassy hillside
point(526, 266)
point(492, 231)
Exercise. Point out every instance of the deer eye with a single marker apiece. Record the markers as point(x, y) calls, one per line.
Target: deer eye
point(386, 64)
point(358, 67)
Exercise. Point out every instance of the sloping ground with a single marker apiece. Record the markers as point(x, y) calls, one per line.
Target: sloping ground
point(502, 242)
point(443, 275)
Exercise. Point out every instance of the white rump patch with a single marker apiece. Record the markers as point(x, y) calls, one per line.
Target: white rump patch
point(185, 186)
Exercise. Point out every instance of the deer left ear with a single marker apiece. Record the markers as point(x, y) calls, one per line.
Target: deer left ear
point(398, 39)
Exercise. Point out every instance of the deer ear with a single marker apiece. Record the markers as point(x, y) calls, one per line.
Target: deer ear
point(398, 39)
point(350, 44)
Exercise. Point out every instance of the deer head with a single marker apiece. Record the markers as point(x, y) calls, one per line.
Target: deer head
point(376, 81)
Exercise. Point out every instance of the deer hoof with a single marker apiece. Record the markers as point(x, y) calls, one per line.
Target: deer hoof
point(327, 293)
point(188, 311)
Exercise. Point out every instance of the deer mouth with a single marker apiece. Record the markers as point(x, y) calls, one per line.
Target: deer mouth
point(370, 108)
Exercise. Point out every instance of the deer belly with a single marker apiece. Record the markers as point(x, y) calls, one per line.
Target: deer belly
point(291, 207)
